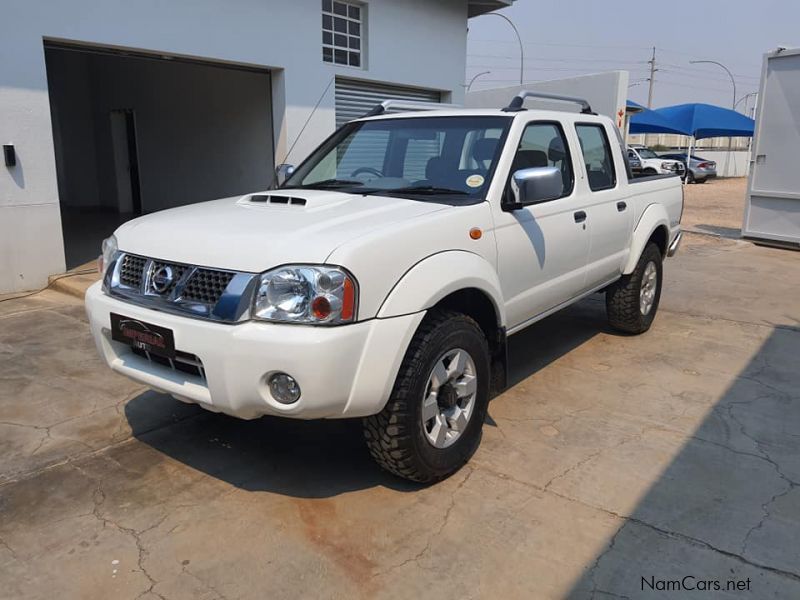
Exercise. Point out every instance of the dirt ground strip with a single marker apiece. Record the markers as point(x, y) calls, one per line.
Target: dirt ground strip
point(611, 464)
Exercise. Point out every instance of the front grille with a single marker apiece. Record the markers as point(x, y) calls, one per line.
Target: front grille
point(183, 362)
point(206, 286)
point(177, 273)
point(131, 270)
point(194, 291)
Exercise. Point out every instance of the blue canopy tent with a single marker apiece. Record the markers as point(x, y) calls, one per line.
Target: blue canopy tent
point(650, 121)
point(706, 121)
point(698, 121)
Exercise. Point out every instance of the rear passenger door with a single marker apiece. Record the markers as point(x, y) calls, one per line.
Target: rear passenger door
point(608, 213)
point(542, 248)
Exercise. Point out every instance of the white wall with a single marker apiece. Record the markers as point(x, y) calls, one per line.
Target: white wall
point(606, 93)
point(409, 42)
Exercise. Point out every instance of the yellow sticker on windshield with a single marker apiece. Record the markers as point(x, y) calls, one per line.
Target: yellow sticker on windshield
point(475, 181)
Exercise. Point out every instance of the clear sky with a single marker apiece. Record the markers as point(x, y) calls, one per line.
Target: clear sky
point(564, 38)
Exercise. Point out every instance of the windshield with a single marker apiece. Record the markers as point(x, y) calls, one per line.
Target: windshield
point(647, 153)
point(418, 157)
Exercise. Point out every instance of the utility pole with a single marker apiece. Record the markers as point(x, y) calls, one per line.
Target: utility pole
point(652, 80)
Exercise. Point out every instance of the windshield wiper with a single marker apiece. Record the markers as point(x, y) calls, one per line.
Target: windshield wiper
point(332, 183)
point(431, 190)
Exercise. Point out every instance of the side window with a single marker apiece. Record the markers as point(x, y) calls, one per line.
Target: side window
point(597, 157)
point(544, 145)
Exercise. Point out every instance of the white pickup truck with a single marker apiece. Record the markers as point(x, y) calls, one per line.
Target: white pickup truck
point(382, 278)
point(653, 164)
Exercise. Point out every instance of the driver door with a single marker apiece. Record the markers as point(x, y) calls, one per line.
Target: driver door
point(542, 248)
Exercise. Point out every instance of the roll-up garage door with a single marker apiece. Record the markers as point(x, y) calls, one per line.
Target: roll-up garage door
point(354, 98)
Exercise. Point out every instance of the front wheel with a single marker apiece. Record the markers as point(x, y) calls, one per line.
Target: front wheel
point(632, 302)
point(432, 423)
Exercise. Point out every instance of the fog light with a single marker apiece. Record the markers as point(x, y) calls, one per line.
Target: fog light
point(284, 388)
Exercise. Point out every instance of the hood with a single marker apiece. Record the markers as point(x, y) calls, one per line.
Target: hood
point(259, 231)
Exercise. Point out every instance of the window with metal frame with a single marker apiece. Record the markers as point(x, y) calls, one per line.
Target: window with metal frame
point(597, 156)
point(342, 33)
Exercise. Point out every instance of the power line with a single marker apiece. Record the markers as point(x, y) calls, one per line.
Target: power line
point(496, 68)
point(545, 59)
point(694, 77)
point(690, 55)
point(711, 74)
point(560, 44)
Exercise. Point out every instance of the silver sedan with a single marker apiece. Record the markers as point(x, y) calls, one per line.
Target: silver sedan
point(700, 169)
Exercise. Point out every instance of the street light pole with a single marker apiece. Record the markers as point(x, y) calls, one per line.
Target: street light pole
point(745, 99)
point(733, 107)
point(519, 39)
point(471, 81)
point(727, 70)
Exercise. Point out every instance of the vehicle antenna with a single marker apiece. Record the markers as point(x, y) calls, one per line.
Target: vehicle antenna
point(316, 106)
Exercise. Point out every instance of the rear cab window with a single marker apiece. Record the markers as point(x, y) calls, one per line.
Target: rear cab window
point(597, 156)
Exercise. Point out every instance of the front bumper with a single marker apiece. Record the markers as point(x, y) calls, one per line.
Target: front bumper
point(344, 371)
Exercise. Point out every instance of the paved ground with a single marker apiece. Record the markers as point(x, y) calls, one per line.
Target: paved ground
point(716, 207)
point(611, 459)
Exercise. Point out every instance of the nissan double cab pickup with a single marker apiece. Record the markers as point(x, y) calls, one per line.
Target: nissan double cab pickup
point(383, 276)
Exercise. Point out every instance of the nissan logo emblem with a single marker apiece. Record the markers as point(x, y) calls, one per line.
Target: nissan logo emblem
point(162, 279)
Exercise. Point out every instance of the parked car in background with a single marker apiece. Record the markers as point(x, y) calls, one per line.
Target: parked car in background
point(653, 164)
point(634, 162)
point(699, 170)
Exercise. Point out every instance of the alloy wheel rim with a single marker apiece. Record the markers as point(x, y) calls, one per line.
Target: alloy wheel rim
point(647, 292)
point(449, 398)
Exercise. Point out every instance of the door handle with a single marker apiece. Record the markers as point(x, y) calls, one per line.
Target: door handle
point(580, 216)
point(621, 206)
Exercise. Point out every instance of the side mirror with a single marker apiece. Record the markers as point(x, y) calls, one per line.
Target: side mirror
point(283, 172)
point(531, 186)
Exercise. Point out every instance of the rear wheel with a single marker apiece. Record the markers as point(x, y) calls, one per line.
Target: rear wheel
point(632, 302)
point(432, 423)
point(689, 177)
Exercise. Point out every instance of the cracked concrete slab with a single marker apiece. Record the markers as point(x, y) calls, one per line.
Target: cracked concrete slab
point(609, 459)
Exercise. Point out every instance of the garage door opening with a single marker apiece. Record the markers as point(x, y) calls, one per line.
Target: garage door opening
point(135, 134)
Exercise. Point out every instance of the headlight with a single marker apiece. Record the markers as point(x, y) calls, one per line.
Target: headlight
point(306, 294)
point(107, 251)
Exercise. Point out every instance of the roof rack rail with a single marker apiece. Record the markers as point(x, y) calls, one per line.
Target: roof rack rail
point(516, 101)
point(410, 105)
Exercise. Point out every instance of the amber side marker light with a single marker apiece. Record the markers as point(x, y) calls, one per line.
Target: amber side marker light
point(475, 233)
point(349, 300)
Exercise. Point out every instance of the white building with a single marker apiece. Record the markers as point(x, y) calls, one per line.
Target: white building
point(113, 109)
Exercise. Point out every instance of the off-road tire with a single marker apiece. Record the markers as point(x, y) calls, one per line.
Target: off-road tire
point(395, 436)
point(622, 297)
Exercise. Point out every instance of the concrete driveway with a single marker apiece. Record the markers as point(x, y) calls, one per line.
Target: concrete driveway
point(613, 465)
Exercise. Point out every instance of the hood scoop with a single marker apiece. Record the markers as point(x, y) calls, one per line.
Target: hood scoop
point(276, 199)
